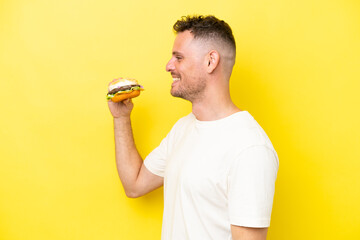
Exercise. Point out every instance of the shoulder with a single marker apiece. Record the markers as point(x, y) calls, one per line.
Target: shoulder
point(184, 122)
point(246, 132)
point(252, 144)
point(181, 126)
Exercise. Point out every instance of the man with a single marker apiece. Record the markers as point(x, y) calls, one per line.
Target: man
point(217, 165)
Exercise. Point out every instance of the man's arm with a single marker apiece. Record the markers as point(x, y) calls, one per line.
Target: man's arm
point(246, 233)
point(135, 177)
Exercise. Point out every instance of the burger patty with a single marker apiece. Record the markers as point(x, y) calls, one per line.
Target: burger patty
point(123, 88)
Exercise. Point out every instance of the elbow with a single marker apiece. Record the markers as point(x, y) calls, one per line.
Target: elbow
point(132, 194)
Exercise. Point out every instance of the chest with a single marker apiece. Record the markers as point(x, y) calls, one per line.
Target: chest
point(199, 164)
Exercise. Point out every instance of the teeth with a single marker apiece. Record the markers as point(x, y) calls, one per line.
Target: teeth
point(176, 79)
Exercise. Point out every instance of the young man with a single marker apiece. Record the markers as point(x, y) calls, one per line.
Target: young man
point(217, 165)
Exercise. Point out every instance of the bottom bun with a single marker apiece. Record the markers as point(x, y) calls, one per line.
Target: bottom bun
point(122, 96)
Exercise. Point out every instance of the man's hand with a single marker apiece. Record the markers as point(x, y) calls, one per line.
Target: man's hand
point(121, 109)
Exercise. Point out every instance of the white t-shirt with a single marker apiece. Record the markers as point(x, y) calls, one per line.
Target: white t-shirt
point(216, 173)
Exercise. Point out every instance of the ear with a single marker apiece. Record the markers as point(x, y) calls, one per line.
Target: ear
point(213, 59)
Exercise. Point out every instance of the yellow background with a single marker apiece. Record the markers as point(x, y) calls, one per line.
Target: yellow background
point(297, 72)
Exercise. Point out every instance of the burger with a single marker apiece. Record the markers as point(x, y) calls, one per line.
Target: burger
point(123, 88)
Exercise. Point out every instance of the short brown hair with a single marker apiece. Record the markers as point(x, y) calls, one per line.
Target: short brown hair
point(207, 28)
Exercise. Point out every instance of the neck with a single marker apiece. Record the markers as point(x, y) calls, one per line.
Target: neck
point(214, 105)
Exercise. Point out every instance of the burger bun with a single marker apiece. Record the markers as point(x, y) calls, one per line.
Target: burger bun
point(122, 96)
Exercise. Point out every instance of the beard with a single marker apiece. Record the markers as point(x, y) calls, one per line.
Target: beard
point(189, 91)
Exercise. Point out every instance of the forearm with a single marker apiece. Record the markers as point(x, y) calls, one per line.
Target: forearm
point(128, 159)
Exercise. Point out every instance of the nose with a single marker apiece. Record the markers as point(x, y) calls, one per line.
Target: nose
point(170, 65)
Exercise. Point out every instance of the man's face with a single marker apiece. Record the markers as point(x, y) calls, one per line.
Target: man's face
point(187, 67)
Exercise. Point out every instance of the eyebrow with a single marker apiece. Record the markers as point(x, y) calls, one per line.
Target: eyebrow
point(175, 53)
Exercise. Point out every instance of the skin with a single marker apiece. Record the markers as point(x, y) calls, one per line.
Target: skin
point(204, 70)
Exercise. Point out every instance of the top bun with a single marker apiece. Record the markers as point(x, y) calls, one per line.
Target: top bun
point(122, 82)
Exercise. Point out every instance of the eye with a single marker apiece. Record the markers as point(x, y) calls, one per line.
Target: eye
point(178, 58)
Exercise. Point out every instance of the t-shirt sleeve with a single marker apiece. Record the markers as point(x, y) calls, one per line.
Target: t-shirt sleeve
point(252, 187)
point(155, 162)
